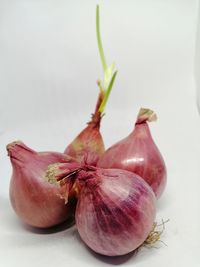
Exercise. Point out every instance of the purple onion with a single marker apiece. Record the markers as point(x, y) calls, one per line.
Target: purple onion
point(138, 153)
point(115, 210)
point(35, 201)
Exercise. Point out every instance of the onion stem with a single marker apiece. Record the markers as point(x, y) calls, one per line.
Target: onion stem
point(103, 104)
point(145, 115)
point(108, 75)
point(101, 52)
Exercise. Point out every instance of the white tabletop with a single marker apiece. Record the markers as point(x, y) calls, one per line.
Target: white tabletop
point(49, 65)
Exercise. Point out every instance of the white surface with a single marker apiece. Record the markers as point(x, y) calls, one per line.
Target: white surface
point(48, 68)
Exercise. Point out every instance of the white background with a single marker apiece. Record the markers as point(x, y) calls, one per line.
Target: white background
point(49, 65)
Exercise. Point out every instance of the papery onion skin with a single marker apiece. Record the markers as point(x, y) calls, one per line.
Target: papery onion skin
point(35, 201)
point(115, 211)
point(138, 153)
point(88, 146)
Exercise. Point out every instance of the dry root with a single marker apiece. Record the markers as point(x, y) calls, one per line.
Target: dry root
point(155, 234)
point(50, 173)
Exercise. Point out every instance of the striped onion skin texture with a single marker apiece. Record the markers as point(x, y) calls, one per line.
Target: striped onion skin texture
point(138, 153)
point(88, 145)
point(115, 211)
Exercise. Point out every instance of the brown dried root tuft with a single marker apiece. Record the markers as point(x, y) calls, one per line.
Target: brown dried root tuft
point(155, 234)
point(50, 173)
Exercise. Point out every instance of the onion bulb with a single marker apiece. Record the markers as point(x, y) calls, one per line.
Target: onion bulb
point(88, 146)
point(35, 201)
point(115, 210)
point(138, 153)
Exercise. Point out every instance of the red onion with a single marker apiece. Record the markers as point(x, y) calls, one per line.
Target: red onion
point(139, 154)
point(37, 202)
point(88, 146)
point(115, 210)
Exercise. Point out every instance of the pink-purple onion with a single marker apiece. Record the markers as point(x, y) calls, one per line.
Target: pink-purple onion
point(115, 210)
point(37, 202)
point(138, 153)
point(88, 145)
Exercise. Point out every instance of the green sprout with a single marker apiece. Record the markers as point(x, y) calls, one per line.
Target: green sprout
point(108, 71)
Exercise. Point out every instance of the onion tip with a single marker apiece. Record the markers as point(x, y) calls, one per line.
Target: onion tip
point(146, 114)
point(11, 145)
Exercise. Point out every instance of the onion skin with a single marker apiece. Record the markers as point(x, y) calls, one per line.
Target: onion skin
point(115, 211)
point(88, 146)
point(138, 153)
point(35, 201)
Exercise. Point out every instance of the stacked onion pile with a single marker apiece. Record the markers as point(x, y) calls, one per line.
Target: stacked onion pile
point(111, 193)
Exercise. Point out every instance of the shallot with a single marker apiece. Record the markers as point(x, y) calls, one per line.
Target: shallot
point(139, 154)
point(37, 202)
point(115, 210)
point(88, 146)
